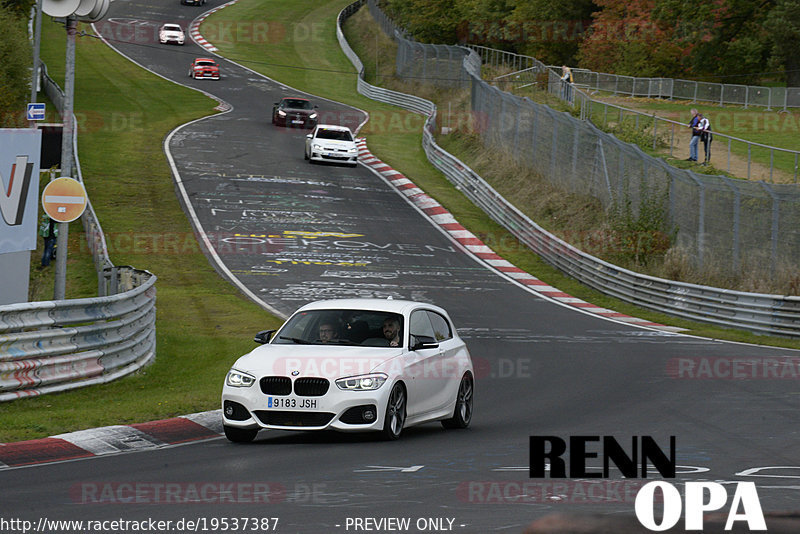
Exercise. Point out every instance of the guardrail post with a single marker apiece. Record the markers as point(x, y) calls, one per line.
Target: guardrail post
point(775, 227)
point(736, 208)
point(655, 131)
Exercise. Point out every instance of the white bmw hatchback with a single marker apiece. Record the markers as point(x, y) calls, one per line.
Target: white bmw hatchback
point(352, 365)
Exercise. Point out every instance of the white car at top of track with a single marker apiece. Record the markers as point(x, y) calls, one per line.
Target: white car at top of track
point(352, 365)
point(332, 143)
point(171, 33)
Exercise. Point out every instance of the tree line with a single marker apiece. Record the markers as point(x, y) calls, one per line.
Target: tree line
point(726, 41)
point(16, 61)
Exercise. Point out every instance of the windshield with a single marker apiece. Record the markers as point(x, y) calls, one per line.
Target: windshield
point(338, 135)
point(206, 63)
point(292, 103)
point(172, 28)
point(343, 327)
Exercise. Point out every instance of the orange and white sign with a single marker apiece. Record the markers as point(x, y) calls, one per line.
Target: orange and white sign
point(64, 199)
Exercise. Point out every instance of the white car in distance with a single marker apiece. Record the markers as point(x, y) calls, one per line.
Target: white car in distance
point(332, 143)
point(171, 33)
point(352, 365)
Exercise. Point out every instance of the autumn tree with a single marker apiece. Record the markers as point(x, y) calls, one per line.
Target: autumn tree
point(551, 30)
point(624, 39)
point(783, 27)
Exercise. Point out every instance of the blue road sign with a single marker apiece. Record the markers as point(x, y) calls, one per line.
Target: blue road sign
point(36, 112)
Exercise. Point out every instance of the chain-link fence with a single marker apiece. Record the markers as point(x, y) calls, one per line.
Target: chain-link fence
point(721, 223)
point(716, 93)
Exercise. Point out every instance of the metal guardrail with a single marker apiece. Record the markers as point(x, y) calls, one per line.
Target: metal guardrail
point(766, 314)
point(65, 344)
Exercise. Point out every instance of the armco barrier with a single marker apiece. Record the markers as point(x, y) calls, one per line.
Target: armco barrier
point(64, 344)
point(57, 345)
point(765, 314)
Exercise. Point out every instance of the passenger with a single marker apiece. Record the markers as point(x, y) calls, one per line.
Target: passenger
point(391, 331)
point(391, 334)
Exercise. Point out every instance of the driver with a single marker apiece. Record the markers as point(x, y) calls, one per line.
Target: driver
point(328, 332)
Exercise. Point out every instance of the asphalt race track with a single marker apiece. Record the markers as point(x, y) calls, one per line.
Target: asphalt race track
point(291, 232)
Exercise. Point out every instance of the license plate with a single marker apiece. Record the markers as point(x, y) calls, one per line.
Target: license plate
point(297, 122)
point(281, 403)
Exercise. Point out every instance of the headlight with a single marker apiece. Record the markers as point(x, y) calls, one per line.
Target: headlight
point(281, 113)
point(362, 383)
point(238, 379)
point(312, 116)
point(316, 146)
point(352, 150)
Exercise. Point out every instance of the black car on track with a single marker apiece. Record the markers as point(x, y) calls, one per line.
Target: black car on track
point(294, 111)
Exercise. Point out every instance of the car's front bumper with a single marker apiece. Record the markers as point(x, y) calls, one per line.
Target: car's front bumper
point(206, 75)
point(336, 410)
point(335, 157)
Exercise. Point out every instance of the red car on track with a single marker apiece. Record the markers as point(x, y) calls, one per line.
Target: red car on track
point(204, 68)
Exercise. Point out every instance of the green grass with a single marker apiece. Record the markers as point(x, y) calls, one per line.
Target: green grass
point(203, 324)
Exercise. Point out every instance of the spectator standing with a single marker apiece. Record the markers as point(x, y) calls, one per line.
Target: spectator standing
point(694, 125)
point(48, 229)
point(566, 83)
point(706, 137)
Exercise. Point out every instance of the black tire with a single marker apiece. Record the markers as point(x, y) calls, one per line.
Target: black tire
point(462, 414)
point(240, 435)
point(395, 413)
point(305, 155)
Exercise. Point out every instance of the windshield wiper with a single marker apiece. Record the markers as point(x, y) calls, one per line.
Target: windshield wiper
point(296, 340)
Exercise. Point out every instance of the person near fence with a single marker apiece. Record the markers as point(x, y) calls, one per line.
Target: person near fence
point(706, 137)
point(694, 124)
point(566, 83)
point(48, 229)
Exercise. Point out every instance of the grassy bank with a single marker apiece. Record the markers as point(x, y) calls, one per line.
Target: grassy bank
point(203, 323)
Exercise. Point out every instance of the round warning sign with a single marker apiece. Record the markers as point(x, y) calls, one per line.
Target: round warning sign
point(64, 199)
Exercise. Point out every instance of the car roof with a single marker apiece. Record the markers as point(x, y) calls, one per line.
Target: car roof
point(294, 98)
point(170, 24)
point(205, 59)
point(375, 304)
point(333, 127)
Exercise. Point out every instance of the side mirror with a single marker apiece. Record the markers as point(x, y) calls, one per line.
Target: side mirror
point(316, 106)
point(310, 136)
point(423, 342)
point(264, 336)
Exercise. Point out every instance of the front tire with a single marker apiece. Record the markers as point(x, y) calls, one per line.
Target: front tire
point(462, 414)
point(395, 413)
point(240, 435)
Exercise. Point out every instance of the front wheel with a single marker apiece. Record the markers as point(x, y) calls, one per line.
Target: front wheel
point(240, 435)
point(462, 415)
point(395, 413)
